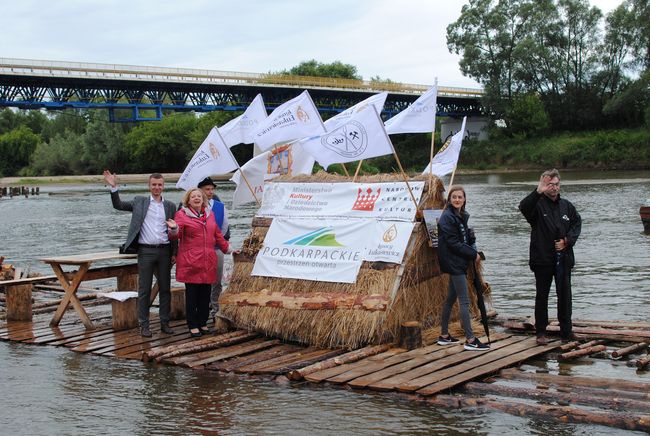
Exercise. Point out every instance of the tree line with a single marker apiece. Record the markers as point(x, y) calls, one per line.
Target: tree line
point(72, 142)
point(557, 65)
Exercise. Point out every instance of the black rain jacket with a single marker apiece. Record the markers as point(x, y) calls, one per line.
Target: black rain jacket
point(455, 250)
point(550, 220)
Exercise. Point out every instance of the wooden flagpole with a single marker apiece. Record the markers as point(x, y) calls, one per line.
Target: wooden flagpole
point(433, 135)
point(356, 173)
point(399, 164)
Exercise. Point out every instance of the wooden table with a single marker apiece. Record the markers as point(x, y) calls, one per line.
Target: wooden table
point(70, 281)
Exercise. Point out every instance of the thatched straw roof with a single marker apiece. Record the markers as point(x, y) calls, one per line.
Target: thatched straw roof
point(412, 291)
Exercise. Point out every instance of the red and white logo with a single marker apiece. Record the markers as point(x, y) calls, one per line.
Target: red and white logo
point(366, 200)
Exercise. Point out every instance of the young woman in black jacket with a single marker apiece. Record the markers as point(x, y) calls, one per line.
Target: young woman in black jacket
point(456, 249)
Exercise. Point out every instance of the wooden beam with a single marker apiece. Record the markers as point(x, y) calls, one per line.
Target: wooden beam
point(306, 301)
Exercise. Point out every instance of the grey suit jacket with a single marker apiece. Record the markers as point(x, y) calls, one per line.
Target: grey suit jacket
point(138, 208)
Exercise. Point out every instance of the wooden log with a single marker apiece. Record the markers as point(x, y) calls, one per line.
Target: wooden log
point(125, 314)
point(350, 357)
point(583, 352)
point(207, 346)
point(545, 395)
point(55, 303)
point(569, 346)
point(643, 362)
point(591, 344)
point(410, 335)
point(600, 382)
point(127, 282)
point(177, 310)
point(629, 350)
point(306, 301)
point(562, 413)
point(159, 351)
point(19, 302)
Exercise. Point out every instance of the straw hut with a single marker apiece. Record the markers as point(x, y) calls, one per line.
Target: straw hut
point(327, 314)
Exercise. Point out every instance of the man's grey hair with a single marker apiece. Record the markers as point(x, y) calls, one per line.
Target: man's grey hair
point(552, 174)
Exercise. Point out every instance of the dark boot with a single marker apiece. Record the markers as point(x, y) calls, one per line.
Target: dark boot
point(166, 329)
point(145, 332)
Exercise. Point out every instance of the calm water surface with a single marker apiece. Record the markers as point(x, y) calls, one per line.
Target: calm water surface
point(48, 390)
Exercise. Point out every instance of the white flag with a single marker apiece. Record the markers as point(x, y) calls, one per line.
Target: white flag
point(376, 100)
point(445, 161)
point(362, 136)
point(289, 159)
point(294, 119)
point(420, 117)
point(212, 157)
point(239, 130)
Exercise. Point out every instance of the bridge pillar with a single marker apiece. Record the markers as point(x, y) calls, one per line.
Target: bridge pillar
point(475, 128)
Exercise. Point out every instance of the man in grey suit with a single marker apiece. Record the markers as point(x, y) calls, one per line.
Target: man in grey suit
point(148, 237)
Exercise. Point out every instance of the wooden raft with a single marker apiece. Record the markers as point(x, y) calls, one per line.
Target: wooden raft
point(429, 372)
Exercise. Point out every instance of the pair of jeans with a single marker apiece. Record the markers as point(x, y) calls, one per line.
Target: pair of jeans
point(457, 290)
point(216, 286)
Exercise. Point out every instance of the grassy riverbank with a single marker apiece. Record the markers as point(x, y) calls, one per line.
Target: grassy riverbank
point(627, 149)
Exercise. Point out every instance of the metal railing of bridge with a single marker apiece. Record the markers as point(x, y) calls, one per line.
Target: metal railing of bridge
point(12, 66)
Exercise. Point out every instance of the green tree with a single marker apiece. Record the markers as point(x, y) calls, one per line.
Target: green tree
point(16, 147)
point(527, 116)
point(313, 68)
point(162, 146)
point(103, 146)
point(61, 156)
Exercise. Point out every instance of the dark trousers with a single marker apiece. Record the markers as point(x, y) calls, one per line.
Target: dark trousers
point(197, 304)
point(543, 278)
point(154, 261)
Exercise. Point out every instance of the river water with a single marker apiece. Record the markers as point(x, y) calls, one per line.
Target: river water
point(49, 390)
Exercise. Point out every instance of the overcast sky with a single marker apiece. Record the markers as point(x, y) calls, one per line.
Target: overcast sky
point(403, 40)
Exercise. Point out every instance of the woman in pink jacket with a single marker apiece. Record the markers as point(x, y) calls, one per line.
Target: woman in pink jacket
point(198, 234)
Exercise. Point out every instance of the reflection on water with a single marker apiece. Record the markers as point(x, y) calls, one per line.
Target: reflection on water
point(50, 390)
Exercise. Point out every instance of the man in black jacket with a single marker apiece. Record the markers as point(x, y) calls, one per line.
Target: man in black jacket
point(555, 228)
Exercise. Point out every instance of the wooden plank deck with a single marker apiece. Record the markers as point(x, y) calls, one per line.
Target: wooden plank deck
point(428, 372)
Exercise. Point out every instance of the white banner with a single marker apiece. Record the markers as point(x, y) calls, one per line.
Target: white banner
point(289, 159)
point(386, 240)
point(445, 161)
point(376, 100)
point(361, 136)
point(420, 117)
point(294, 119)
point(389, 200)
point(212, 157)
point(321, 250)
point(239, 130)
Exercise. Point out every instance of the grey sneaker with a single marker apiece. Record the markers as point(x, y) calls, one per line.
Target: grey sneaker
point(145, 332)
point(166, 329)
point(449, 340)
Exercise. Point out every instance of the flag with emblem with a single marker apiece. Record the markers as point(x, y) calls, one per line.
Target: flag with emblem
point(212, 157)
point(294, 119)
point(376, 100)
point(445, 161)
point(239, 130)
point(419, 117)
point(362, 136)
point(289, 159)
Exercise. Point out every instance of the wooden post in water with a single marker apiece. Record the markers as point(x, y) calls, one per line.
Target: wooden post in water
point(410, 335)
point(125, 314)
point(177, 310)
point(19, 302)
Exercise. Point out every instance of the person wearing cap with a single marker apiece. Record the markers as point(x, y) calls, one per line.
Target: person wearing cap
point(220, 214)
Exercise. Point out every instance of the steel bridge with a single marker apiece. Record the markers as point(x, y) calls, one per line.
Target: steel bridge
point(144, 93)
